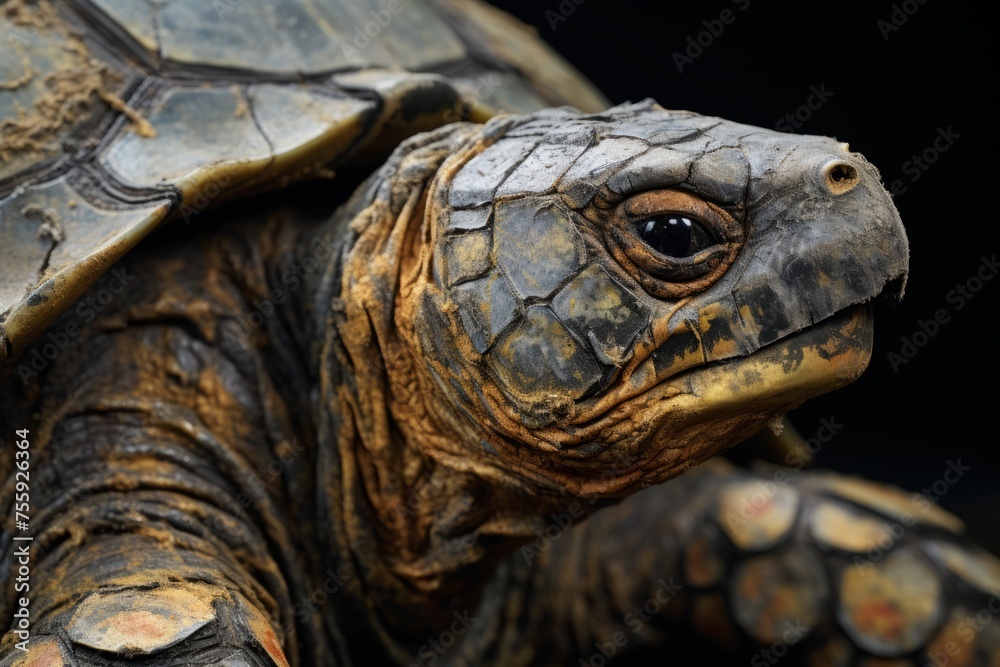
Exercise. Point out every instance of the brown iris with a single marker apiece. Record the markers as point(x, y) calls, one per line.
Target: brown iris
point(673, 242)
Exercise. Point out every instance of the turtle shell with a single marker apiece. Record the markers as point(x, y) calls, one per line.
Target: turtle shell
point(119, 115)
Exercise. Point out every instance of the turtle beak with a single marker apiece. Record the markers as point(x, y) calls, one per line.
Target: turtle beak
point(789, 320)
point(823, 236)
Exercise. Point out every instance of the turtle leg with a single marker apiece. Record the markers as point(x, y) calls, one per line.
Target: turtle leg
point(158, 534)
point(725, 566)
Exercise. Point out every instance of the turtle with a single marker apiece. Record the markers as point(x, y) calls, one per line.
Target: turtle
point(445, 380)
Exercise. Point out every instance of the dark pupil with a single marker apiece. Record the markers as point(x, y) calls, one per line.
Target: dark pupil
point(673, 236)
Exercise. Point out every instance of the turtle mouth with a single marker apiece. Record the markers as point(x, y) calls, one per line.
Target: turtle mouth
point(828, 336)
point(812, 361)
point(719, 404)
point(688, 417)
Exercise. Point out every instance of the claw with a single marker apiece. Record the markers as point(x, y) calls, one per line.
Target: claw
point(141, 622)
point(42, 653)
point(263, 634)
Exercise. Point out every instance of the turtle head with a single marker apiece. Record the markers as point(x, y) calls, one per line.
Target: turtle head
point(604, 301)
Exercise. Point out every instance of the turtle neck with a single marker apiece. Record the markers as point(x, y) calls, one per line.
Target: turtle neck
point(413, 540)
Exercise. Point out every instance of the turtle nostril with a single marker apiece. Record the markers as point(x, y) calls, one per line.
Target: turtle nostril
point(840, 177)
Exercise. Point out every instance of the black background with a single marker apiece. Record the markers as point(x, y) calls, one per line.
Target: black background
point(891, 92)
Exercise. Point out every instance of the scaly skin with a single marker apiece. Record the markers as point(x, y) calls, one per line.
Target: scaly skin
point(352, 476)
point(775, 566)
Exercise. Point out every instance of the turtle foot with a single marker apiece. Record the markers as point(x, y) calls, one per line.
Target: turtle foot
point(176, 624)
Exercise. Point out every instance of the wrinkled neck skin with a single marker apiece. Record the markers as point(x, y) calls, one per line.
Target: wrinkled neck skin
point(415, 537)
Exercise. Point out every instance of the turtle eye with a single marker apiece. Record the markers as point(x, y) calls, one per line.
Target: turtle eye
point(672, 242)
point(674, 236)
